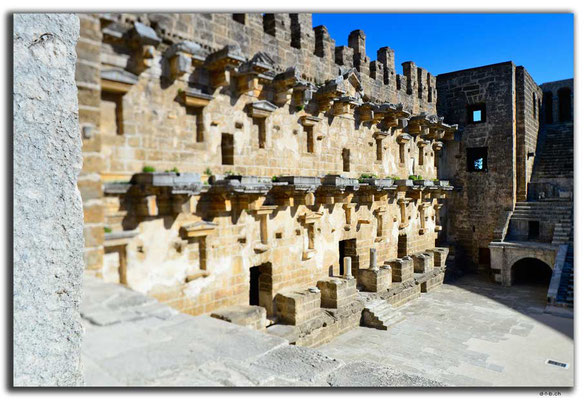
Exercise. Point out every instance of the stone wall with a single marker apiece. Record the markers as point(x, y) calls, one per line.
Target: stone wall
point(554, 89)
point(48, 237)
point(207, 94)
point(528, 105)
point(145, 100)
point(482, 197)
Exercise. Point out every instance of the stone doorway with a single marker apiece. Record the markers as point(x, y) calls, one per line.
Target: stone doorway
point(261, 287)
point(254, 274)
point(227, 149)
point(531, 271)
point(347, 248)
point(402, 245)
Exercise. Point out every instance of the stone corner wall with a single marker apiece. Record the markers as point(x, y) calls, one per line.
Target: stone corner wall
point(48, 217)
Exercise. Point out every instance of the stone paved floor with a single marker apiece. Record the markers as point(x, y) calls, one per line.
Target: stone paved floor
point(470, 333)
point(132, 340)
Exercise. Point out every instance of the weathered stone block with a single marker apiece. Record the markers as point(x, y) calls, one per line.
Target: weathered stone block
point(297, 307)
point(375, 280)
point(254, 317)
point(432, 283)
point(440, 256)
point(402, 269)
point(337, 292)
point(423, 263)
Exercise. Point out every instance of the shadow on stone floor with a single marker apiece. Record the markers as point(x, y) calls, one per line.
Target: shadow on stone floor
point(528, 299)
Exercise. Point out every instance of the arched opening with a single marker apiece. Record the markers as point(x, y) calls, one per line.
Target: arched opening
point(548, 107)
point(564, 104)
point(531, 271)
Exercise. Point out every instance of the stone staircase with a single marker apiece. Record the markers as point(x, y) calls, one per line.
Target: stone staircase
point(555, 153)
point(558, 212)
point(563, 231)
point(565, 294)
point(379, 314)
point(540, 210)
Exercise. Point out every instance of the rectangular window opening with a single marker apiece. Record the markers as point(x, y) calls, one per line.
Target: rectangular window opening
point(309, 139)
point(227, 149)
point(111, 113)
point(260, 124)
point(477, 159)
point(240, 18)
point(346, 160)
point(379, 143)
point(533, 230)
point(476, 113)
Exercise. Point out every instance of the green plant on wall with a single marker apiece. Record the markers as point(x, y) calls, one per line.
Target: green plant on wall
point(208, 171)
point(148, 168)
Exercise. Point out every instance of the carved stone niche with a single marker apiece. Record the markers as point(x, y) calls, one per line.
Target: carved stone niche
point(254, 74)
point(182, 56)
point(223, 64)
point(117, 80)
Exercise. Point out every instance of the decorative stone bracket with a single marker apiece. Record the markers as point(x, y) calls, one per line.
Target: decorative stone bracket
point(262, 213)
point(223, 64)
point(254, 74)
point(290, 87)
point(309, 220)
point(182, 56)
point(117, 80)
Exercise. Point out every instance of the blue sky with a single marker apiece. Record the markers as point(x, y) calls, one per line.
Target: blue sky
point(543, 43)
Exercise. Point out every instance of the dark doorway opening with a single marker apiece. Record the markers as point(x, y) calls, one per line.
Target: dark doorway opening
point(548, 107)
point(261, 287)
point(533, 230)
point(255, 273)
point(347, 248)
point(531, 271)
point(402, 246)
point(227, 149)
point(484, 256)
point(564, 104)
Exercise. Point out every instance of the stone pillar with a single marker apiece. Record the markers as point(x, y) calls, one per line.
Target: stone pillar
point(373, 259)
point(386, 56)
point(48, 216)
point(348, 264)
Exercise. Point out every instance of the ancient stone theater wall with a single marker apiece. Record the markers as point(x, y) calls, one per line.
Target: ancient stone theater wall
point(528, 105)
point(484, 195)
point(498, 110)
point(269, 113)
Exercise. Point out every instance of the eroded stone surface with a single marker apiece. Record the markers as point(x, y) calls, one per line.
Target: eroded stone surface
point(48, 219)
